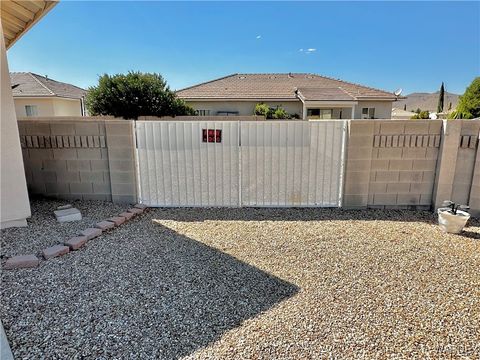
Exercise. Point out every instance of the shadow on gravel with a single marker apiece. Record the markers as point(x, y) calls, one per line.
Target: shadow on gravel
point(470, 234)
point(293, 214)
point(212, 293)
point(143, 291)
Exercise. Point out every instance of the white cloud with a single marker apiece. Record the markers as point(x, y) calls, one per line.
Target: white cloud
point(259, 36)
point(307, 51)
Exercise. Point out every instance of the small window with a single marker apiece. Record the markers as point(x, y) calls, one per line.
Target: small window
point(313, 113)
point(326, 113)
point(368, 113)
point(319, 113)
point(227, 113)
point(203, 112)
point(31, 110)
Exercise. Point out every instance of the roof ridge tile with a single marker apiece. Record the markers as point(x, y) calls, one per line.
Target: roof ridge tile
point(207, 82)
point(35, 78)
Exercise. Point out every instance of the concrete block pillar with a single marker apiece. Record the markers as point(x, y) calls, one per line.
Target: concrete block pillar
point(475, 190)
point(358, 163)
point(121, 159)
point(446, 161)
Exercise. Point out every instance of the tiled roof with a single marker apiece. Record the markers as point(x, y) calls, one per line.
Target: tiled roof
point(278, 86)
point(30, 84)
point(324, 94)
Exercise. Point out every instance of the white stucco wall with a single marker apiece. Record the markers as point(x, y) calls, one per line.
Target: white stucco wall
point(44, 106)
point(383, 109)
point(244, 107)
point(67, 107)
point(49, 106)
point(14, 202)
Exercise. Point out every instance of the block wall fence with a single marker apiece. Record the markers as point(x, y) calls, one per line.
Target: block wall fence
point(90, 159)
point(412, 164)
point(388, 163)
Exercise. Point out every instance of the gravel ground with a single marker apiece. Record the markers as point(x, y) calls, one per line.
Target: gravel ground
point(43, 229)
point(249, 283)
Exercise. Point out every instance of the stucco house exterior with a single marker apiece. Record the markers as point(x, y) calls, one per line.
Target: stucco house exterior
point(17, 17)
point(36, 95)
point(310, 96)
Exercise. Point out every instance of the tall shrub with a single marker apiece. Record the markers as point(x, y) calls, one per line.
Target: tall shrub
point(441, 99)
point(134, 94)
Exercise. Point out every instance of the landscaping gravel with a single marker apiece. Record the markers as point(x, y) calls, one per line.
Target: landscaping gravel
point(43, 229)
point(253, 283)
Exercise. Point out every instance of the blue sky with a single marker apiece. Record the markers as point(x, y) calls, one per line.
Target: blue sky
point(412, 45)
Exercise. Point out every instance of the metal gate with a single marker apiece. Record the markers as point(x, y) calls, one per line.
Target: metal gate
point(241, 163)
point(292, 163)
point(177, 166)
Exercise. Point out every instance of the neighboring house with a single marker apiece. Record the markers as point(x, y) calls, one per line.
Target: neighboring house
point(309, 96)
point(36, 95)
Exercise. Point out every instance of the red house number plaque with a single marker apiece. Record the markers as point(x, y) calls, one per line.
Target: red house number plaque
point(212, 135)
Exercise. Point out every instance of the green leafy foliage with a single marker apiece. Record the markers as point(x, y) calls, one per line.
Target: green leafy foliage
point(134, 94)
point(469, 105)
point(262, 109)
point(280, 113)
point(421, 115)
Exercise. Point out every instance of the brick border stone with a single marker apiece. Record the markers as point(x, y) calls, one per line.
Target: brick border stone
point(22, 262)
point(127, 215)
point(117, 220)
point(54, 251)
point(135, 211)
point(105, 225)
point(91, 233)
point(74, 243)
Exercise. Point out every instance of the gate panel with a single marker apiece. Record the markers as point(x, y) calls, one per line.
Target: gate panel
point(292, 163)
point(177, 168)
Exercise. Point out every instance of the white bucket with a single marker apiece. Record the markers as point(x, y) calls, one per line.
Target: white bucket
point(451, 223)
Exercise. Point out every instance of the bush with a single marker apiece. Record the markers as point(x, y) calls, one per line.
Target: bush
point(421, 115)
point(262, 109)
point(469, 105)
point(280, 113)
point(134, 94)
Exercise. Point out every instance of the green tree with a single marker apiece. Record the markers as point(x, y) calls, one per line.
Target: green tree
point(441, 99)
point(134, 94)
point(469, 104)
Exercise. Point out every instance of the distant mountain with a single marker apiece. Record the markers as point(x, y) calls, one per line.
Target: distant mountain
point(426, 101)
